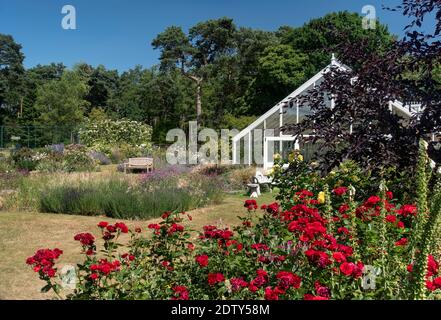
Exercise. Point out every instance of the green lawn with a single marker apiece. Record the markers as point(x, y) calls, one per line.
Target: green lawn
point(22, 233)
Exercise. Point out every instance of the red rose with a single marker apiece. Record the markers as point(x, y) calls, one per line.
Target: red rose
point(251, 205)
point(389, 195)
point(391, 218)
point(304, 194)
point(358, 270)
point(347, 268)
point(343, 208)
point(86, 239)
point(108, 236)
point(122, 226)
point(94, 276)
point(401, 242)
point(312, 297)
point(288, 279)
point(340, 191)
point(43, 261)
point(339, 257)
point(437, 282)
point(260, 247)
point(322, 290)
point(371, 201)
point(407, 210)
point(343, 230)
point(214, 278)
point(430, 285)
point(432, 266)
point(181, 293)
point(271, 294)
point(262, 273)
point(103, 224)
point(165, 215)
point(202, 260)
point(175, 228)
point(237, 284)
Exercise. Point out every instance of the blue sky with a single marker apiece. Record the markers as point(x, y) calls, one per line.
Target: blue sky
point(118, 33)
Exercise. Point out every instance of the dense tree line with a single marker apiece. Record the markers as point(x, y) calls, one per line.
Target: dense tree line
point(219, 73)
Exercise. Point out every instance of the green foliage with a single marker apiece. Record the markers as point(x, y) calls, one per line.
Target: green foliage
point(118, 198)
point(62, 102)
point(25, 158)
point(105, 135)
point(76, 158)
point(293, 175)
point(11, 76)
point(281, 68)
point(322, 35)
point(239, 123)
point(236, 72)
point(422, 180)
point(270, 256)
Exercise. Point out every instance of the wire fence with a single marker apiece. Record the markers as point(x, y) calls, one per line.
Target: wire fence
point(36, 136)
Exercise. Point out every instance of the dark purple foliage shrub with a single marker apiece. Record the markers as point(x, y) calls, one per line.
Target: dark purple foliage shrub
point(405, 71)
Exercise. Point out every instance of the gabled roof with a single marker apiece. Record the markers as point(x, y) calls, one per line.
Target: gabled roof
point(291, 96)
point(408, 109)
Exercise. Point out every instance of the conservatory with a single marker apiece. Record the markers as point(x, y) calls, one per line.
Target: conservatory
point(257, 143)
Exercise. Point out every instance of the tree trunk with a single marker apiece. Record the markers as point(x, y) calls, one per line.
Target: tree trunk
point(198, 81)
point(198, 101)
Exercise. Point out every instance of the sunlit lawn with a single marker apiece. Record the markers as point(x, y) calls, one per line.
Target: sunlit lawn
point(22, 233)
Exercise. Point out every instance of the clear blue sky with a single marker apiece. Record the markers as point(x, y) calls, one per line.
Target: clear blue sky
point(118, 33)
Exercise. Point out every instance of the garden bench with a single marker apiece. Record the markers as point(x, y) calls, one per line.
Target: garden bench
point(254, 190)
point(139, 163)
point(262, 180)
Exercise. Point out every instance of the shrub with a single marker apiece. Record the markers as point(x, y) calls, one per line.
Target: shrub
point(73, 158)
point(76, 158)
point(119, 198)
point(51, 162)
point(316, 246)
point(5, 164)
point(99, 157)
point(25, 158)
point(113, 136)
point(318, 249)
point(293, 174)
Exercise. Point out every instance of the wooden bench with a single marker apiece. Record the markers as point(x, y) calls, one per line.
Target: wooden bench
point(139, 163)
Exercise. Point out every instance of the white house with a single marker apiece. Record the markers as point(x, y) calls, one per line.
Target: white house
point(257, 143)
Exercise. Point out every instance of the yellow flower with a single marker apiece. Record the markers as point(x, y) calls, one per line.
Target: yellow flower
point(295, 155)
point(321, 197)
point(277, 156)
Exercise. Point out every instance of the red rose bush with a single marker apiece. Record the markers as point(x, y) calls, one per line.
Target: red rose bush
point(311, 251)
point(313, 245)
